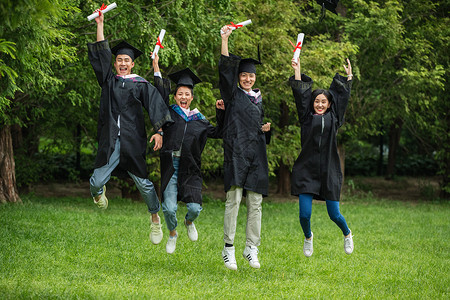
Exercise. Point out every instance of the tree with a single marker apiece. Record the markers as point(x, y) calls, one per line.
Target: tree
point(402, 75)
point(39, 45)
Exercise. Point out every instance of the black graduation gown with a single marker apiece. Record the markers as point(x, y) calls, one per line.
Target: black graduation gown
point(317, 169)
point(191, 137)
point(245, 162)
point(124, 97)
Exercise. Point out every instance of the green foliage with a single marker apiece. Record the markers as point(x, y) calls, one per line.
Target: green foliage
point(67, 248)
point(7, 48)
point(44, 167)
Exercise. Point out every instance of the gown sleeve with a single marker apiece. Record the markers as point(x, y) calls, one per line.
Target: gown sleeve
point(340, 90)
point(152, 101)
point(99, 55)
point(216, 132)
point(228, 76)
point(163, 87)
point(302, 95)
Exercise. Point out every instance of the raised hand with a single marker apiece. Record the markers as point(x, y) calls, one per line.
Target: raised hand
point(348, 70)
point(100, 17)
point(225, 31)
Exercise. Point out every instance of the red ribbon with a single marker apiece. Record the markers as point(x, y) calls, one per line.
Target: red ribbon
point(103, 7)
point(235, 25)
point(299, 46)
point(158, 43)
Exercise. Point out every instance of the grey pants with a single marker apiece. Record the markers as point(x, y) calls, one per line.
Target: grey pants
point(254, 213)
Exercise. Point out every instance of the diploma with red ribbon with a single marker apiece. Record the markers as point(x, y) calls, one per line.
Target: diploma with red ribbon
point(103, 9)
point(158, 43)
point(298, 46)
point(238, 25)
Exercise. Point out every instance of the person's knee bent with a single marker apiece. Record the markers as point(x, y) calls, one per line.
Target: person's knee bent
point(194, 210)
point(169, 208)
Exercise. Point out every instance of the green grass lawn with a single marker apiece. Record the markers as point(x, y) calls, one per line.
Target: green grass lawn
point(67, 248)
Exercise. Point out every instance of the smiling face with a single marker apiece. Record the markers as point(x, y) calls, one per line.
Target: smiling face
point(123, 64)
point(183, 97)
point(247, 80)
point(321, 104)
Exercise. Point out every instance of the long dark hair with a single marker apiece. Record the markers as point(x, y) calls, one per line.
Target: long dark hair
point(318, 92)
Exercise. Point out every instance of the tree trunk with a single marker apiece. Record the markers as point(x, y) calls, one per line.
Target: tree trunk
point(380, 156)
point(445, 193)
point(284, 180)
point(78, 148)
point(8, 187)
point(284, 175)
point(394, 139)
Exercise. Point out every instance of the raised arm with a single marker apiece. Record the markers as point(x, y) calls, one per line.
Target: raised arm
point(228, 68)
point(99, 20)
point(99, 54)
point(225, 32)
point(161, 84)
point(301, 89)
point(340, 89)
point(296, 66)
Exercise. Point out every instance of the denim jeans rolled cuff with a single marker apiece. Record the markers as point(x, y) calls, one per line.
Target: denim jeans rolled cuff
point(194, 210)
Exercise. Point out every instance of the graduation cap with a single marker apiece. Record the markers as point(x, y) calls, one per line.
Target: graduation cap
point(125, 48)
point(185, 77)
point(249, 64)
point(327, 4)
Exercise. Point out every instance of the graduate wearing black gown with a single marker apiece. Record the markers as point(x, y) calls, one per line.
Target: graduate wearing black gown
point(184, 141)
point(246, 171)
point(317, 171)
point(122, 137)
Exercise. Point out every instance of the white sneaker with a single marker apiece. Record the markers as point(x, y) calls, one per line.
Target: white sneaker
point(308, 246)
point(348, 244)
point(251, 254)
point(228, 258)
point(156, 233)
point(101, 202)
point(191, 231)
point(171, 244)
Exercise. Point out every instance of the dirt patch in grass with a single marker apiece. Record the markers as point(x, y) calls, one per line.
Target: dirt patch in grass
point(402, 188)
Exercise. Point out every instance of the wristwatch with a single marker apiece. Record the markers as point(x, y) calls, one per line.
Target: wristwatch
point(160, 133)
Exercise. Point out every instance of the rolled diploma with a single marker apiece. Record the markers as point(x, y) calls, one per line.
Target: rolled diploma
point(299, 40)
point(161, 36)
point(245, 23)
point(96, 14)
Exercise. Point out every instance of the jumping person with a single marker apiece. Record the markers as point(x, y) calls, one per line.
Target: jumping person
point(244, 140)
point(317, 171)
point(122, 138)
point(184, 141)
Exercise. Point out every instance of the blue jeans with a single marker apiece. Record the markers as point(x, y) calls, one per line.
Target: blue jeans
point(102, 175)
point(305, 203)
point(170, 205)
